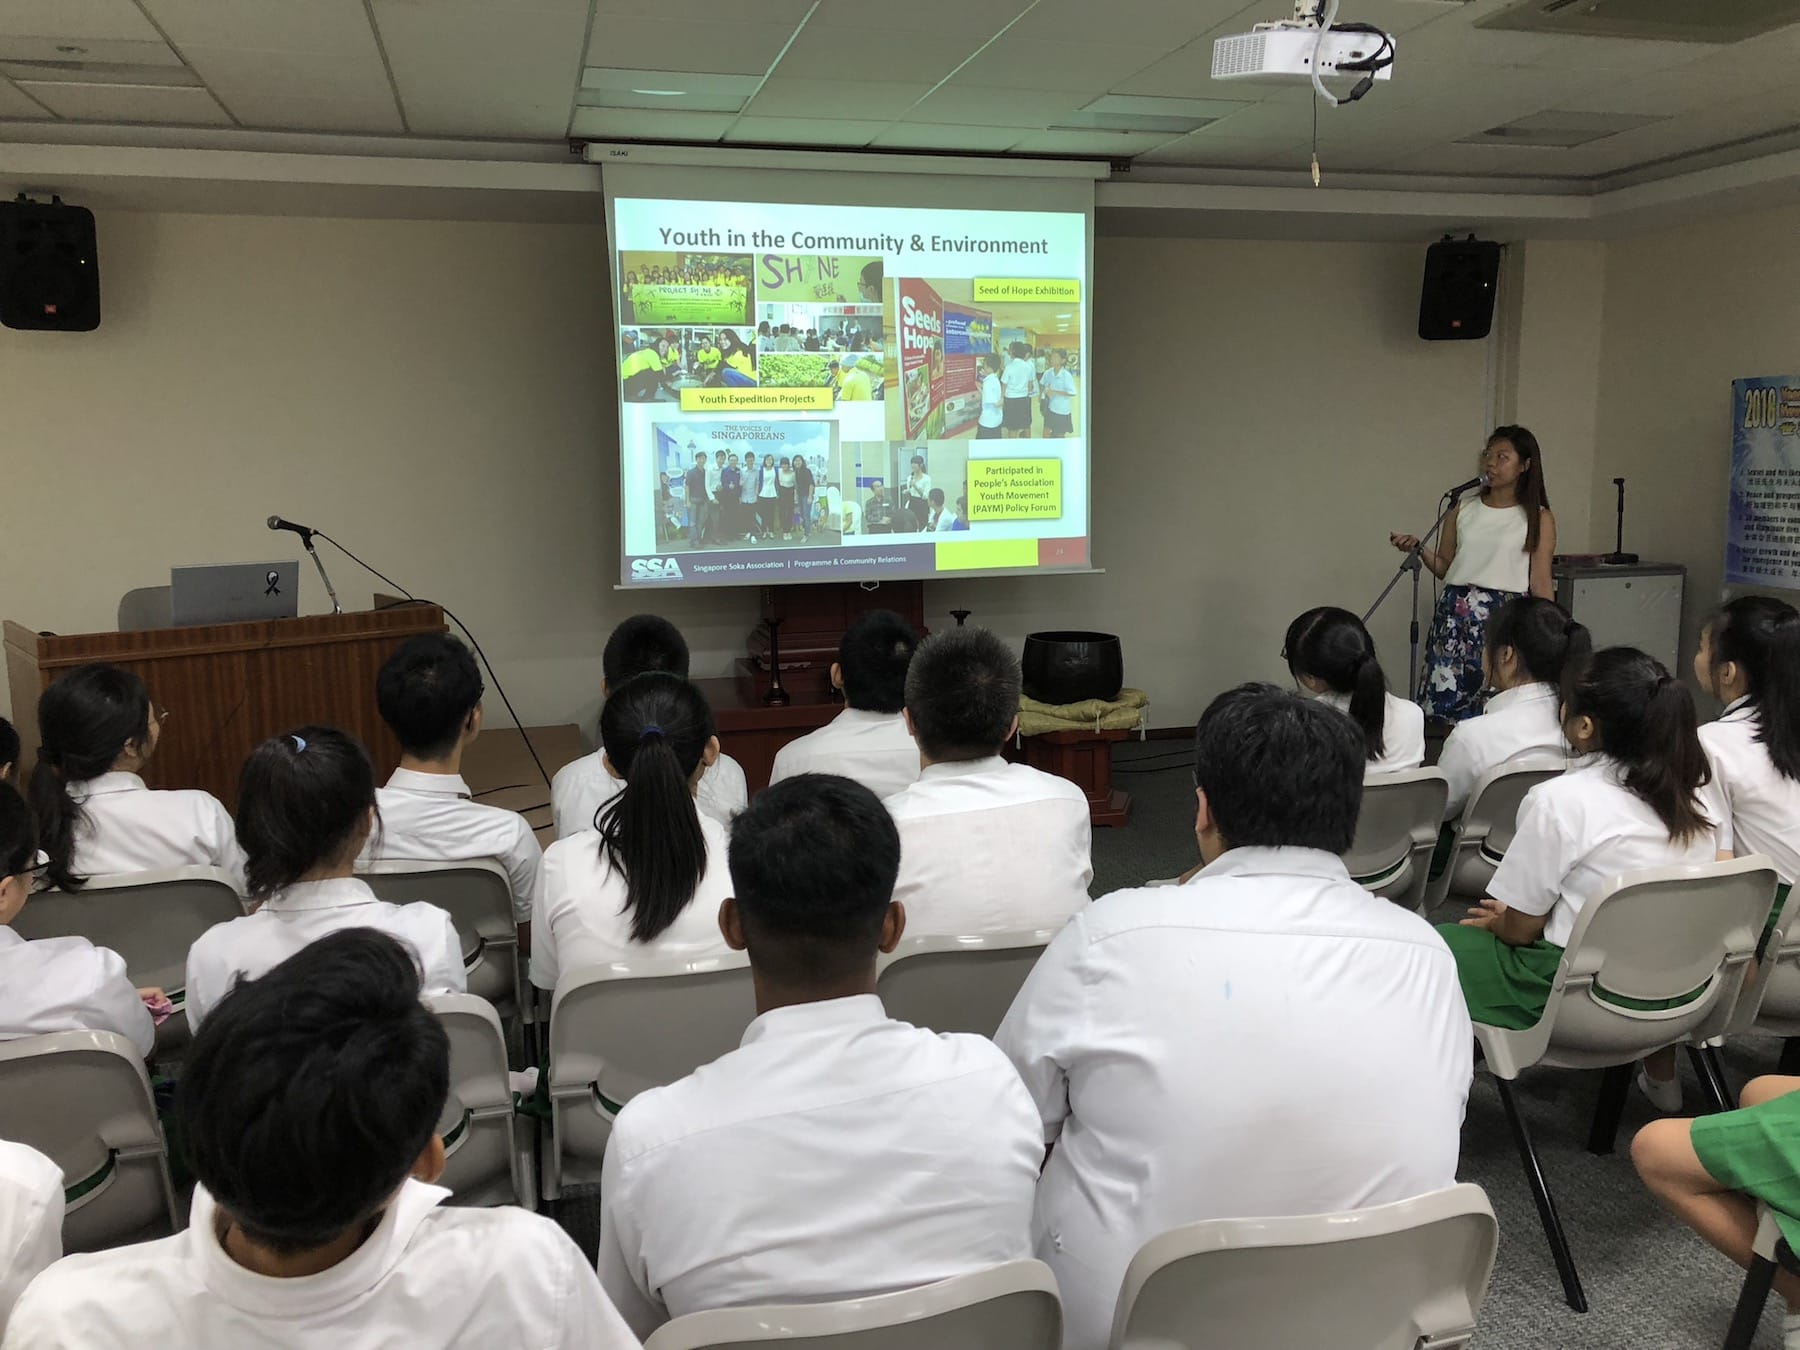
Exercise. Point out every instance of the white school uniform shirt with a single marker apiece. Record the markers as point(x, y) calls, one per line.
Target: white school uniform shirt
point(1755, 808)
point(581, 787)
point(1265, 1039)
point(1516, 723)
point(431, 1274)
point(872, 748)
point(1059, 386)
point(128, 827)
point(31, 1218)
point(1402, 733)
point(836, 1153)
point(430, 817)
point(1019, 379)
point(68, 984)
point(1575, 834)
point(991, 847)
point(993, 402)
point(302, 914)
point(583, 920)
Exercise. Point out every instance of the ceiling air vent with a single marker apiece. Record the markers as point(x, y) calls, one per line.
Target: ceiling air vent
point(1663, 20)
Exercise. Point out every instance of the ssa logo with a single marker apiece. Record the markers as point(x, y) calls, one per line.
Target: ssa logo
point(656, 569)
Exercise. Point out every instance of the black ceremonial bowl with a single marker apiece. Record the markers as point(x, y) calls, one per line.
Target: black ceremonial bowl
point(1067, 667)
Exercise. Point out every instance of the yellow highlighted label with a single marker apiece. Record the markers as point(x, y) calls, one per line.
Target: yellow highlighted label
point(1051, 290)
point(969, 555)
point(1015, 489)
point(756, 400)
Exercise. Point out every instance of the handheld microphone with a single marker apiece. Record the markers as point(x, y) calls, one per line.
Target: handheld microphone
point(1480, 480)
point(306, 532)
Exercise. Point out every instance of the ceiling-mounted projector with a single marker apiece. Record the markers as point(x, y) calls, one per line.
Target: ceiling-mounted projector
point(1310, 46)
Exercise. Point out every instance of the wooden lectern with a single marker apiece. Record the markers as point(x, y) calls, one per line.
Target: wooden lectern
point(229, 686)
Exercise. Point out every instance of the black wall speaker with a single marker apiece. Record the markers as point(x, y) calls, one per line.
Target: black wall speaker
point(49, 267)
point(1461, 277)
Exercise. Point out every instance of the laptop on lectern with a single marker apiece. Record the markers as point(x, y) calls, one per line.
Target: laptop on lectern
point(234, 592)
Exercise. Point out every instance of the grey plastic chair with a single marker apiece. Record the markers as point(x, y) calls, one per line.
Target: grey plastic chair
point(1392, 1277)
point(1396, 833)
point(487, 1156)
point(958, 983)
point(477, 895)
point(618, 1029)
point(82, 1099)
point(1653, 935)
point(1484, 831)
point(1009, 1307)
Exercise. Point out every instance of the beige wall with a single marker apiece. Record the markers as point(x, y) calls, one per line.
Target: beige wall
point(439, 395)
point(1688, 311)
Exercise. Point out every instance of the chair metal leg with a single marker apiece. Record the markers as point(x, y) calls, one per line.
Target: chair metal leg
point(1790, 1057)
point(1750, 1302)
point(1712, 1077)
point(1609, 1109)
point(1540, 1194)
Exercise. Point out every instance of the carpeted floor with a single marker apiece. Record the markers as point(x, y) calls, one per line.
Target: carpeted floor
point(1650, 1284)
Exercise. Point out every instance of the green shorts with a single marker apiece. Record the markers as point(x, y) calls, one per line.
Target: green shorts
point(1757, 1150)
point(1508, 987)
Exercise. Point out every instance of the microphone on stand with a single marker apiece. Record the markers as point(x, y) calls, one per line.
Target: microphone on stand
point(1480, 480)
point(306, 533)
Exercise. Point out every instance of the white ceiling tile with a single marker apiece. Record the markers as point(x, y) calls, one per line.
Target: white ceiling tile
point(1112, 144)
point(120, 19)
point(16, 106)
point(805, 131)
point(1014, 62)
point(821, 52)
point(129, 104)
point(785, 96)
point(1164, 23)
point(981, 105)
point(283, 112)
point(982, 17)
point(925, 136)
point(340, 27)
point(789, 12)
point(631, 124)
point(236, 73)
point(732, 48)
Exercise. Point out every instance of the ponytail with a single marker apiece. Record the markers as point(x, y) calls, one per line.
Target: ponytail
point(1647, 723)
point(1546, 640)
point(1761, 635)
point(655, 729)
point(85, 721)
point(1332, 645)
point(303, 802)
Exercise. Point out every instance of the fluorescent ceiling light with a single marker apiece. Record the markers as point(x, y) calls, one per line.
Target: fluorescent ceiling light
point(1560, 130)
point(661, 93)
point(682, 81)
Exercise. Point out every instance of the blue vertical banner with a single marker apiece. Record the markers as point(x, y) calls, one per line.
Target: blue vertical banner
point(1762, 531)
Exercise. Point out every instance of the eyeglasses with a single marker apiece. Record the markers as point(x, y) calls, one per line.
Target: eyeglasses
point(160, 713)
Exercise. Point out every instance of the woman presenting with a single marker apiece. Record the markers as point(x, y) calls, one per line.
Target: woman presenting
point(1494, 547)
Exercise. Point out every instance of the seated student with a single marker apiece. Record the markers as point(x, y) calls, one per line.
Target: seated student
point(56, 984)
point(1528, 643)
point(306, 807)
point(429, 693)
point(1332, 657)
point(309, 1105)
point(653, 878)
point(867, 742)
point(1634, 805)
point(97, 728)
point(1710, 1173)
point(31, 1219)
point(836, 1153)
point(986, 846)
point(643, 642)
point(1264, 1039)
point(9, 752)
point(1749, 659)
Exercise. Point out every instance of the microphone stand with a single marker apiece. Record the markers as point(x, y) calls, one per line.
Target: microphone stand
point(306, 542)
point(1413, 563)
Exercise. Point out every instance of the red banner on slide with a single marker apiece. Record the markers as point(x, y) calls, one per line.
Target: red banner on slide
point(1062, 552)
point(921, 352)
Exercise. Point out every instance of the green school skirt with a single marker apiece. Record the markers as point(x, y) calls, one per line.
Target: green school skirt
point(1507, 986)
point(1757, 1150)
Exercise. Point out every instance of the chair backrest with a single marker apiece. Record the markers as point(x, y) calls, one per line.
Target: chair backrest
point(1396, 830)
point(1652, 936)
point(1009, 1307)
point(149, 918)
point(82, 1098)
point(482, 1162)
point(1392, 1277)
point(958, 983)
point(1771, 1002)
point(1492, 814)
point(477, 895)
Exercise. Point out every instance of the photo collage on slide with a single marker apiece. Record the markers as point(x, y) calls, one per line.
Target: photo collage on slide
point(808, 412)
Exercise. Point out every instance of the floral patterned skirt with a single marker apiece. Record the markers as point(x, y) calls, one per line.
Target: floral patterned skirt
point(1450, 685)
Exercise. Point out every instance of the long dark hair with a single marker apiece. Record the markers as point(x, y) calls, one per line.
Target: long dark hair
point(1762, 636)
point(1532, 494)
point(302, 798)
point(1543, 635)
point(1646, 721)
point(1331, 644)
point(654, 728)
point(85, 721)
